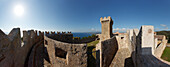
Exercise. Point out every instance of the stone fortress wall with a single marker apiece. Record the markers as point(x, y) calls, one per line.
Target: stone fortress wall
point(134, 49)
point(64, 37)
point(66, 54)
point(35, 49)
point(160, 42)
point(68, 37)
point(14, 51)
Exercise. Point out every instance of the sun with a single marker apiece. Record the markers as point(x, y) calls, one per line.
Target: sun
point(19, 10)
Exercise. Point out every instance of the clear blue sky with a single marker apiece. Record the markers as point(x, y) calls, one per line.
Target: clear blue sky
point(84, 15)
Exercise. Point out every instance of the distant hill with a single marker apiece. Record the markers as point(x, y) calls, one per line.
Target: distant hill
point(166, 33)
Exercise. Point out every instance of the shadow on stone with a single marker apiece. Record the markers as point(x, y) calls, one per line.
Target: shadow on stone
point(129, 62)
point(91, 61)
point(145, 58)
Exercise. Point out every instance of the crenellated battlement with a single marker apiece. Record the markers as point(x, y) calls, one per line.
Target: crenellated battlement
point(106, 19)
point(29, 37)
point(20, 47)
point(61, 33)
point(106, 28)
point(46, 32)
point(69, 32)
point(138, 48)
point(58, 32)
point(52, 32)
point(60, 36)
point(32, 36)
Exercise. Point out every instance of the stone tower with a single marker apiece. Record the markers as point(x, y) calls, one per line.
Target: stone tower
point(106, 28)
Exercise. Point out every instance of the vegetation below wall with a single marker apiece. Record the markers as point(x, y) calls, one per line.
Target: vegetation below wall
point(92, 36)
point(166, 54)
point(166, 33)
point(91, 48)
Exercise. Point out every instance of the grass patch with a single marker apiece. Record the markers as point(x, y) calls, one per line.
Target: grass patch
point(93, 43)
point(91, 48)
point(166, 54)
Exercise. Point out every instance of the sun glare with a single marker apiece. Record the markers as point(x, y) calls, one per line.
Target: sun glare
point(19, 10)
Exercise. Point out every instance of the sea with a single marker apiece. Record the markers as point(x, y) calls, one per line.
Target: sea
point(81, 34)
point(84, 34)
point(77, 34)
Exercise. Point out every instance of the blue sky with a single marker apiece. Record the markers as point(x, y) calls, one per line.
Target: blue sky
point(84, 15)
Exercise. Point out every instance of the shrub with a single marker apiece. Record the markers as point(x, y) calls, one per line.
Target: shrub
point(93, 35)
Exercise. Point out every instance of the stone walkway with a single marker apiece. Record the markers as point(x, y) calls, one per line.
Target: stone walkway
point(152, 61)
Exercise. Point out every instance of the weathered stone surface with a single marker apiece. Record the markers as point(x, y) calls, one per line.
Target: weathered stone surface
point(134, 48)
point(108, 51)
point(36, 57)
point(105, 34)
point(70, 55)
point(106, 28)
point(159, 47)
point(147, 39)
point(145, 56)
point(130, 32)
point(150, 61)
point(136, 31)
point(124, 52)
point(64, 37)
point(68, 38)
point(15, 54)
point(139, 50)
point(121, 58)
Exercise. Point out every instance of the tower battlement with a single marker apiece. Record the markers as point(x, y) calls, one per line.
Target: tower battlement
point(106, 19)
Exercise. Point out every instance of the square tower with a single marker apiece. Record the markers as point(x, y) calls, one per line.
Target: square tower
point(147, 39)
point(106, 28)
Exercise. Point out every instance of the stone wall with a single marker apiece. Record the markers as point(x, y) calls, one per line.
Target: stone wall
point(130, 32)
point(108, 51)
point(66, 54)
point(63, 37)
point(137, 51)
point(116, 52)
point(15, 51)
point(134, 45)
point(67, 37)
point(145, 56)
point(160, 47)
point(123, 40)
point(124, 52)
point(146, 39)
point(36, 57)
